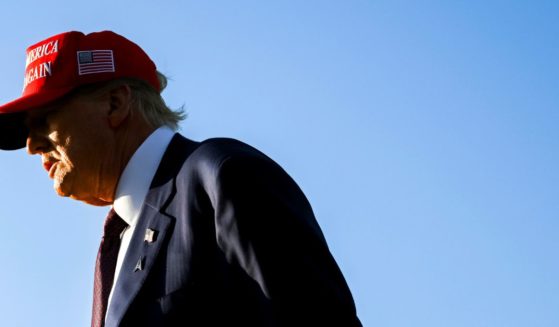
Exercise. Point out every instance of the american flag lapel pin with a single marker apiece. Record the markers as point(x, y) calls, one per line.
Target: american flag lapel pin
point(150, 235)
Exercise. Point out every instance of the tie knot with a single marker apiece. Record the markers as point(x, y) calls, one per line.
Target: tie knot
point(114, 225)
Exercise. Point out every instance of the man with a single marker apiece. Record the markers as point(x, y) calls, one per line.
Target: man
point(208, 233)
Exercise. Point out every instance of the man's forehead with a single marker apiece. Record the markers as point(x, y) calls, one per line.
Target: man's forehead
point(43, 110)
point(58, 103)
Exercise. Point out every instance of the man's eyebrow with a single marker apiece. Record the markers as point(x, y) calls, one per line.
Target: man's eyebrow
point(39, 115)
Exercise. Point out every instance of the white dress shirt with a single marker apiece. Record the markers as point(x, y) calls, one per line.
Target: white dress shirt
point(133, 186)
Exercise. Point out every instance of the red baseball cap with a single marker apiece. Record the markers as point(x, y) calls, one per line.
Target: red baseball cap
point(63, 62)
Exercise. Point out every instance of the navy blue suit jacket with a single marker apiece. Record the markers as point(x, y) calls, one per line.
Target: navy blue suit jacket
point(236, 244)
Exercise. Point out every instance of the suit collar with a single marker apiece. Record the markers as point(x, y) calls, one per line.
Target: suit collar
point(142, 253)
point(134, 182)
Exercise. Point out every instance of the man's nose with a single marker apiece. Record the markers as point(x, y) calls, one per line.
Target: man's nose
point(37, 144)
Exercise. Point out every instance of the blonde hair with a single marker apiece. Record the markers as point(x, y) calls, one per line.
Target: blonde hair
point(151, 104)
point(145, 99)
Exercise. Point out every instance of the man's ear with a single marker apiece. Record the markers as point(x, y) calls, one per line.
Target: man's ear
point(120, 105)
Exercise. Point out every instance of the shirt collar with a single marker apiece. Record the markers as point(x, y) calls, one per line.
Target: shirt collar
point(133, 185)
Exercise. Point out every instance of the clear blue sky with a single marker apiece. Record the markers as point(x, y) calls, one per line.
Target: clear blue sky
point(425, 134)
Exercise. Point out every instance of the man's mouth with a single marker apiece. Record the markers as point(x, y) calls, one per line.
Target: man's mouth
point(50, 167)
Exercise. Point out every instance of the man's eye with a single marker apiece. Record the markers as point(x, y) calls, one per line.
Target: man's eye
point(38, 123)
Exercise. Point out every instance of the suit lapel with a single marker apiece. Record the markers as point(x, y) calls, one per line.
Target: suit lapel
point(151, 231)
point(138, 261)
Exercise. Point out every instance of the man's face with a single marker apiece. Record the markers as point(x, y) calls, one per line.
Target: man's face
point(75, 142)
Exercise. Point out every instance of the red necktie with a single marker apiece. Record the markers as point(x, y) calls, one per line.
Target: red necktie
point(105, 266)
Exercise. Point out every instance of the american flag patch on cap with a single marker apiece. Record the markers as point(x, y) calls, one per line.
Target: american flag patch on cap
point(95, 61)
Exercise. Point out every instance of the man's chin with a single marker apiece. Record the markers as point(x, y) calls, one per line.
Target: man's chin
point(93, 201)
point(64, 190)
point(60, 190)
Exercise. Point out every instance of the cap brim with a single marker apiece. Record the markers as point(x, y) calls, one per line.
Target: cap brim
point(13, 132)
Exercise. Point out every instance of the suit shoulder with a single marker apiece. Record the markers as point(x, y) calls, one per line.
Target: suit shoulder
point(218, 150)
point(222, 160)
